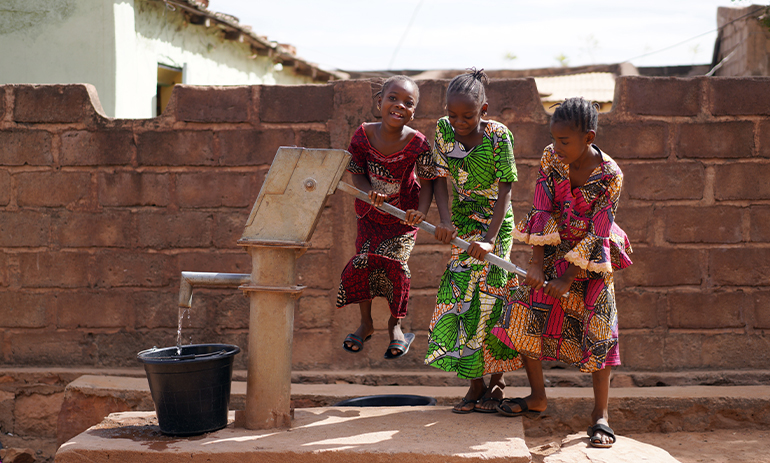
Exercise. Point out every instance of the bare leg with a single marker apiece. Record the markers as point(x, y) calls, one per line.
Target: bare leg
point(394, 330)
point(494, 393)
point(475, 392)
point(601, 382)
point(536, 400)
point(367, 324)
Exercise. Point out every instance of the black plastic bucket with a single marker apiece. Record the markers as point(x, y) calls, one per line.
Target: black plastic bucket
point(387, 400)
point(191, 390)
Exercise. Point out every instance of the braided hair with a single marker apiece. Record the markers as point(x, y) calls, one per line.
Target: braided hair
point(400, 78)
point(470, 84)
point(578, 112)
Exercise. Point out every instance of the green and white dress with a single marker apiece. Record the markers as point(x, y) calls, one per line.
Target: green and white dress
point(473, 293)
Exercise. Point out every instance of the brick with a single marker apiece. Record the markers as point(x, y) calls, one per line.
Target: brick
point(716, 140)
point(59, 348)
point(231, 311)
point(658, 96)
point(218, 189)
point(24, 228)
point(523, 190)
point(427, 268)
point(2, 102)
point(354, 103)
point(37, 414)
point(739, 266)
point(5, 187)
point(93, 309)
point(761, 310)
point(689, 349)
point(737, 96)
point(52, 103)
point(728, 351)
point(102, 148)
point(314, 312)
point(515, 98)
point(296, 103)
point(7, 400)
point(639, 309)
point(636, 221)
point(742, 181)
point(706, 310)
point(634, 141)
point(120, 349)
point(104, 229)
point(182, 229)
point(133, 189)
point(420, 311)
point(55, 269)
point(529, 139)
point(21, 309)
point(655, 266)
point(4, 276)
point(759, 217)
point(156, 309)
point(25, 147)
point(432, 104)
point(324, 236)
point(641, 351)
point(692, 224)
point(664, 181)
point(212, 104)
point(314, 139)
point(53, 189)
point(176, 148)
point(120, 269)
point(214, 261)
point(252, 147)
point(309, 349)
point(764, 139)
point(315, 270)
point(228, 228)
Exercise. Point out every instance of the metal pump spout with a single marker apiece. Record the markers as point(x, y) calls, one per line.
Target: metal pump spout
point(209, 279)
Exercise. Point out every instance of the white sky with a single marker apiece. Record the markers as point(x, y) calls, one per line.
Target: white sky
point(445, 34)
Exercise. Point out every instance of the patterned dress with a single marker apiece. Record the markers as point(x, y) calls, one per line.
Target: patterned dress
point(383, 244)
point(577, 226)
point(472, 293)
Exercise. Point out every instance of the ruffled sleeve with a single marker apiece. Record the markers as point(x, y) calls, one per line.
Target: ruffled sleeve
point(540, 227)
point(358, 150)
point(605, 245)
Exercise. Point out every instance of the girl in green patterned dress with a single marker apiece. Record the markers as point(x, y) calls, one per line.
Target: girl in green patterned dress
point(478, 154)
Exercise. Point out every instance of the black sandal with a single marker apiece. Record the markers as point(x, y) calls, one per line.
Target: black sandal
point(463, 403)
point(504, 407)
point(598, 442)
point(482, 401)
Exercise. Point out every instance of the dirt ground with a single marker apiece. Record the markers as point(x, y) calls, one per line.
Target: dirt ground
point(721, 446)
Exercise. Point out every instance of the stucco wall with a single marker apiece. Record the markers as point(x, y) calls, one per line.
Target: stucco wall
point(116, 46)
point(98, 216)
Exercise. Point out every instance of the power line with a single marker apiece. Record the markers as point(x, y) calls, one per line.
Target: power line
point(403, 36)
point(697, 36)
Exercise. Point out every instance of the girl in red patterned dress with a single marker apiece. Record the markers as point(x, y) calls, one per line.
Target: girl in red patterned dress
point(576, 244)
point(387, 158)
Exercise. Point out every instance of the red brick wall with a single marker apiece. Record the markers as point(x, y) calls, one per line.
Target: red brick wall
point(98, 217)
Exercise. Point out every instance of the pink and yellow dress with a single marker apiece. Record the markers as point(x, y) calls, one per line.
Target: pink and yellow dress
point(576, 226)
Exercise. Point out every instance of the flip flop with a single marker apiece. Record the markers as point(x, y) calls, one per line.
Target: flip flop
point(356, 341)
point(483, 401)
point(401, 346)
point(463, 403)
point(606, 430)
point(504, 407)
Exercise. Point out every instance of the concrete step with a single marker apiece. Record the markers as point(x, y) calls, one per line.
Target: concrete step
point(632, 409)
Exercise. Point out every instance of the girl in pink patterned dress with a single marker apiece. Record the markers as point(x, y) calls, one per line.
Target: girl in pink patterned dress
point(575, 246)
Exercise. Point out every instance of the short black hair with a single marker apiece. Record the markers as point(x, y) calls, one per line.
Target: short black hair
point(578, 112)
point(470, 84)
point(400, 78)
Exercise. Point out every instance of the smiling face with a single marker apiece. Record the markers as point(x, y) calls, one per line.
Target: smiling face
point(569, 143)
point(464, 114)
point(398, 103)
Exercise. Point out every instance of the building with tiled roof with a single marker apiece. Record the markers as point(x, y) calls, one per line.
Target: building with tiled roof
point(135, 51)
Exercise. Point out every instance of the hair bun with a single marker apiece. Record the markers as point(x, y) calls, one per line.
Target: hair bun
point(479, 75)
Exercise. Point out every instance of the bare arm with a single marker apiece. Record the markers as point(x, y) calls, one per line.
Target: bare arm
point(361, 182)
point(445, 231)
point(478, 249)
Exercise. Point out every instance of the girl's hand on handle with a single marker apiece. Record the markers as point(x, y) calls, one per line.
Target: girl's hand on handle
point(413, 217)
point(479, 249)
point(535, 278)
point(445, 232)
point(377, 198)
point(558, 287)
